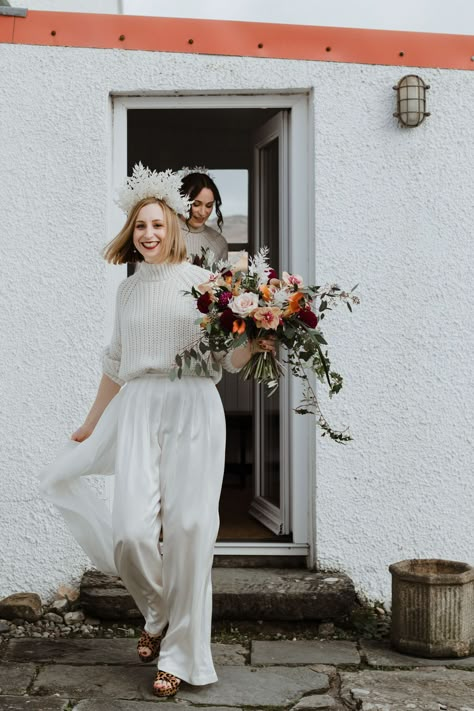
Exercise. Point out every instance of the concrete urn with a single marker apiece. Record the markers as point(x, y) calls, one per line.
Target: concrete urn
point(433, 608)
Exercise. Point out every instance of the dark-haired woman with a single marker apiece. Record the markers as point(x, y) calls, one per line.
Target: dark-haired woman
point(203, 192)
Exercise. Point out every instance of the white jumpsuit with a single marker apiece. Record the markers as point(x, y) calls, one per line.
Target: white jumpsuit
point(164, 442)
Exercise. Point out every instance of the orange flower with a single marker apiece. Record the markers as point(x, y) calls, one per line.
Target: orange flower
point(205, 321)
point(294, 303)
point(267, 317)
point(238, 326)
point(266, 292)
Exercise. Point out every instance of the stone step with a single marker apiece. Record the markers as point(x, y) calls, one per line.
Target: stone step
point(239, 594)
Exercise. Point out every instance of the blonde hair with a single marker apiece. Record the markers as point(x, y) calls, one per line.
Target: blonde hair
point(121, 249)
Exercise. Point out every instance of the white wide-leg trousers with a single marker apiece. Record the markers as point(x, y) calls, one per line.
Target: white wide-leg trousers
point(165, 443)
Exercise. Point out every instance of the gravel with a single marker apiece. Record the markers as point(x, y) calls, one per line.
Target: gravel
point(53, 626)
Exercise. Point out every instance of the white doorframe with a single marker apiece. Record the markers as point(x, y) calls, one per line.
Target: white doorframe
point(301, 259)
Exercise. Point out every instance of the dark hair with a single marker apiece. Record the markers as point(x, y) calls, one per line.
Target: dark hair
point(191, 186)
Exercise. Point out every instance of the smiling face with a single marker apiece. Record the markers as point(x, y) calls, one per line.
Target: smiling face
point(149, 233)
point(202, 207)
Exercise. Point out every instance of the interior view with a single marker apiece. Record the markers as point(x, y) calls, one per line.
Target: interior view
point(224, 140)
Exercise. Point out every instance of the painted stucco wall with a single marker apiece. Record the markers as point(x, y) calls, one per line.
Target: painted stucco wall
point(100, 6)
point(393, 212)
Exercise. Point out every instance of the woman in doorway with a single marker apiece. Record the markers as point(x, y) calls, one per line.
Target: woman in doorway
point(163, 441)
point(201, 190)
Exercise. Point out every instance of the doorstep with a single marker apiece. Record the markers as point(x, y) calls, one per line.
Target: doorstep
point(239, 594)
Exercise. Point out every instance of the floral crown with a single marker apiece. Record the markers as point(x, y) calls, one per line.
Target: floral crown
point(185, 170)
point(145, 183)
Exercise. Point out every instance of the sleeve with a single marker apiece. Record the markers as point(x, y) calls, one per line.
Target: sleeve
point(112, 354)
point(225, 361)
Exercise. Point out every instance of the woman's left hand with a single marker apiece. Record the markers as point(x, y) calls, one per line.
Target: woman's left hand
point(242, 355)
point(263, 345)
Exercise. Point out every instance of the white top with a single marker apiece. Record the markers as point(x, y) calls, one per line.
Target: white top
point(154, 321)
point(204, 236)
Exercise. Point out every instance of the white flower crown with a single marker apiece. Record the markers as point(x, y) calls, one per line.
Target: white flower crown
point(145, 183)
point(185, 170)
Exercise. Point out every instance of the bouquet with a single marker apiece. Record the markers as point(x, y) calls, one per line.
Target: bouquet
point(237, 305)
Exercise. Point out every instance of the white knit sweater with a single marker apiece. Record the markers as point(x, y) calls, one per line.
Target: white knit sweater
point(154, 321)
point(198, 237)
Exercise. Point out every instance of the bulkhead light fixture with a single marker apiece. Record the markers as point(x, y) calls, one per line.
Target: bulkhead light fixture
point(411, 101)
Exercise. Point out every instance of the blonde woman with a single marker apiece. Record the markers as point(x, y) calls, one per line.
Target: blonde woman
point(163, 441)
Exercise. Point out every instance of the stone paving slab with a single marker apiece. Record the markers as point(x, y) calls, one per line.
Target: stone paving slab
point(380, 654)
point(16, 678)
point(91, 705)
point(91, 682)
point(315, 702)
point(104, 705)
point(304, 652)
point(73, 651)
point(228, 654)
point(425, 690)
point(26, 703)
point(247, 686)
point(99, 651)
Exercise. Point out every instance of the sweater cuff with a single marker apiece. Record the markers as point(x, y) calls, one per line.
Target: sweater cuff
point(227, 363)
point(110, 368)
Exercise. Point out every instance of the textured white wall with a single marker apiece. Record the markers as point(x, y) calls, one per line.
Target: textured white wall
point(100, 6)
point(393, 212)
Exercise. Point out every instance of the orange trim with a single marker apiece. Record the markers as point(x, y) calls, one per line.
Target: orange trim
point(249, 39)
point(7, 24)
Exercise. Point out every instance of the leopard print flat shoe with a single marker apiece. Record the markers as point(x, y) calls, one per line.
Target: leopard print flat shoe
point(172, 684)
point(153, 644)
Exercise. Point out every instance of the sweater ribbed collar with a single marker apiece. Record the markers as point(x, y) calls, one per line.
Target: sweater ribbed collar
point(160, 272)
point(194, 230)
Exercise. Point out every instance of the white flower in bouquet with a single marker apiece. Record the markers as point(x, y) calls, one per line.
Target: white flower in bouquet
point(258, 266)
point(280, 297)
point(244, 304)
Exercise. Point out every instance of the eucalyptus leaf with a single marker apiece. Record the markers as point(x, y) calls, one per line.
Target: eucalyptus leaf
point(241, 340)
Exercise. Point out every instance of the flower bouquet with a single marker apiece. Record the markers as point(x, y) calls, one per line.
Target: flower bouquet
point(237, 306)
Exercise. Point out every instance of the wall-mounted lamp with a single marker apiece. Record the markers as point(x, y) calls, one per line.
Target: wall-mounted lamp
point(411, 100)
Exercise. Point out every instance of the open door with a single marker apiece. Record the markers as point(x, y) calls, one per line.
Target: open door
point(269, 196)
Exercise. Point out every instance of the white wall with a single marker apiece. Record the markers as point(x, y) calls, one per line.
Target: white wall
point(99, 6)
point(393, 212)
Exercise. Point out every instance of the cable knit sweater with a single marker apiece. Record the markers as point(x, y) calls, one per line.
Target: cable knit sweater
point(154, 321)
point(198, 237)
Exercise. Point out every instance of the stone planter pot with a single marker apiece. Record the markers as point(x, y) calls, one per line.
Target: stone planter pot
point(433, 608)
